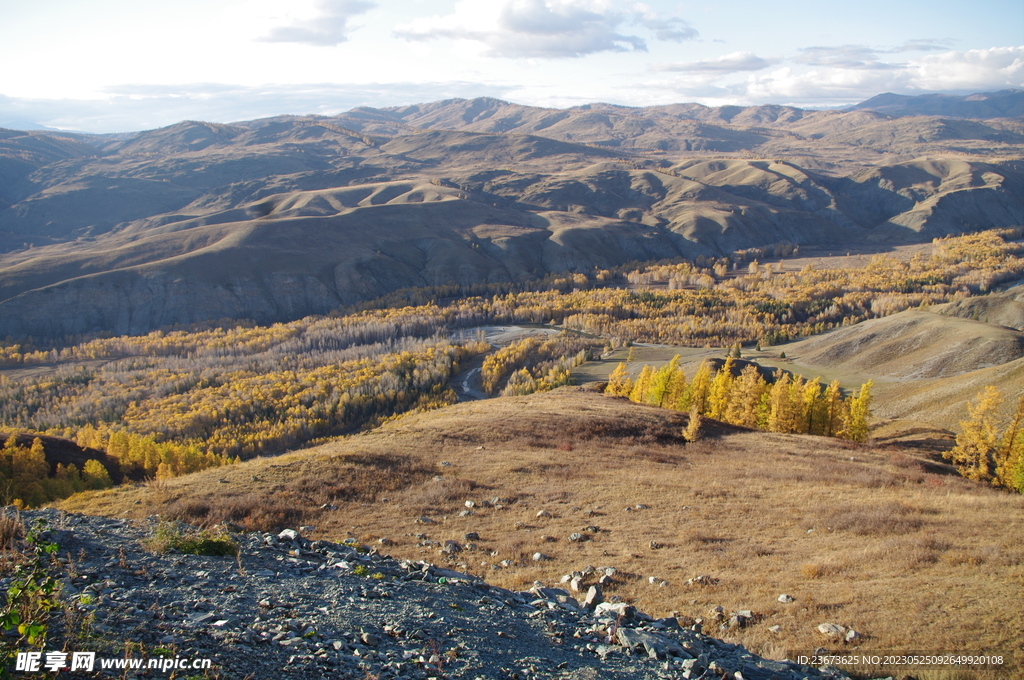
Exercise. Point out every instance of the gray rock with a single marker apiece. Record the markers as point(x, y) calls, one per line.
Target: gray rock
point(831, 630)
point(655, 646)
point(593, 599)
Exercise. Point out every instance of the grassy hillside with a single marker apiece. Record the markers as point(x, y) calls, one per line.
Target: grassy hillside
point(859, 535)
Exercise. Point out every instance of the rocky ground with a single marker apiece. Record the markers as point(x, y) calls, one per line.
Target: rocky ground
point(289, 607)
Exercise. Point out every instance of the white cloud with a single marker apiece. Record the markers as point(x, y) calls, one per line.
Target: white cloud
point(988, 69)
point(843, 75)
point(730, 63)
point(863, 56)
point(665, 28)
point(843, 56)
point(330, 27)
point(530, 28)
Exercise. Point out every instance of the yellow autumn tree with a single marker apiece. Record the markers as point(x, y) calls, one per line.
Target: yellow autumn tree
point(859, 412)
point(744, 406)
point(720, 391)
point(977, 445)
point(619, 382)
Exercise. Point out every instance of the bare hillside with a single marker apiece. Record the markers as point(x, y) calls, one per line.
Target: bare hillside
point(911, 345)
point(279, 218)
point(1005, 308)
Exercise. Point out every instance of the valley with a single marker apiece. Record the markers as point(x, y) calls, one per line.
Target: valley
point(472, 332)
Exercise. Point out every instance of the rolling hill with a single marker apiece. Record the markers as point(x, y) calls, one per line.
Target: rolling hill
point(279, 218)
point(856, 534)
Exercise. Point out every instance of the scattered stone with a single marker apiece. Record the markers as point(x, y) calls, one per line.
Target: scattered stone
point(543, 513)
point(471, 536)
point(541, 557)
point(775, 629)
point(831, 630)
point(852, 636)
point(703, 580)
point(656, 546)
point(576, 537)
point(424, 520)
point(786, 598)
point(317, 610)
point(470, 504)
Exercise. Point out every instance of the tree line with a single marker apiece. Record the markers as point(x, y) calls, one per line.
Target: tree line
point(788, 403)
point(25, 479)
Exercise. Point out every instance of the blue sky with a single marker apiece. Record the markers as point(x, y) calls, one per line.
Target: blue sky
point(120, 65)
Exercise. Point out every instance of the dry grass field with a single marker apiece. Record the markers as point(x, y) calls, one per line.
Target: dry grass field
point(879, 539)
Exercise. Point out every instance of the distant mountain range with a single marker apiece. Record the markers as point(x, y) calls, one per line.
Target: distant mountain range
point(983, 105)
point(282, 217)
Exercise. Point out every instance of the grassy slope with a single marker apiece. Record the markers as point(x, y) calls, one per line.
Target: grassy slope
point(862, 536)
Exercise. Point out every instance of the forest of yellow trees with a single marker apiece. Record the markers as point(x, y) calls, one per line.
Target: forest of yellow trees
point(786, 404)
point(175, 401)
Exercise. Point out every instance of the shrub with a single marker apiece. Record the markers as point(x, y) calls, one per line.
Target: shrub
point(172, 536)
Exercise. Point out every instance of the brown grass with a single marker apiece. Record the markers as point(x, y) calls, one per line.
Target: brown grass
point(867, 538)
point(11, 528)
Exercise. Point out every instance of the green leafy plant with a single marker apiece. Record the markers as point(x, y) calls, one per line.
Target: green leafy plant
point(33, 593)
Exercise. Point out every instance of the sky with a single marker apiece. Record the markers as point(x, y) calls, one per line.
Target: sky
point(126, 65)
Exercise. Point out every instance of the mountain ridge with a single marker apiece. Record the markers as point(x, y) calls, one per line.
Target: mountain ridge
point(305, 214)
